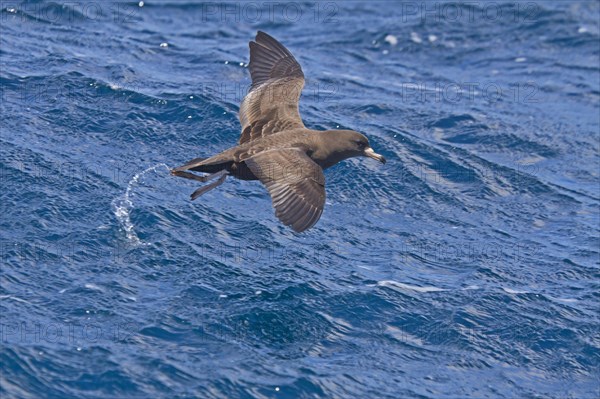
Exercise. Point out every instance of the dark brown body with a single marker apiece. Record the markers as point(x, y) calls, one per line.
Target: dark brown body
point(275, 147)
point(320, 146)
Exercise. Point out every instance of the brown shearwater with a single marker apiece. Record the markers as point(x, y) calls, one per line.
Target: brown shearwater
point(275, 147)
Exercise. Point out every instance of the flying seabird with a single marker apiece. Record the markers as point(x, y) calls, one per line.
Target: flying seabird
point(275, 147)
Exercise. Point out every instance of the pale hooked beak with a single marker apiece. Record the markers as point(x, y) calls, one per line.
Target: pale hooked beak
point(372, 154)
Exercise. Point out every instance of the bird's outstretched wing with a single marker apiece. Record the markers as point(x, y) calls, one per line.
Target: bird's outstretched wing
point(271, 105)
point(296, 185)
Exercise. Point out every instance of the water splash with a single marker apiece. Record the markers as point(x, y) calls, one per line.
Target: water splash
point(122, 206)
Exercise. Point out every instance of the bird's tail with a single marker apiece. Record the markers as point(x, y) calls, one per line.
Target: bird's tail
point(205, 165)
point(189, 165)
point(218, 170)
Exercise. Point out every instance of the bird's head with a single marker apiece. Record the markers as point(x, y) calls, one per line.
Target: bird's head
point(348, 143)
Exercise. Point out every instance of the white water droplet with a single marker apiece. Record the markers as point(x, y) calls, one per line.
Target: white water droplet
point(189, 116)
point(141, 4)
point(192, 97)
point(391, 39)
point(432, 38)
point(122, 206)
point(164, 45)
point(91, 286)
point(414, 36)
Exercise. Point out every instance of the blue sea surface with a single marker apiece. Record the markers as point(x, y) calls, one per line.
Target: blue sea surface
point(468, 266)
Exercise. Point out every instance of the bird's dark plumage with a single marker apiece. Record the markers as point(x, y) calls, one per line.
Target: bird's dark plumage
point(275, 147)
point(271, 106)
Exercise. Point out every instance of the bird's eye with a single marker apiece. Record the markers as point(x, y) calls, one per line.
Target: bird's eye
point(361, 144)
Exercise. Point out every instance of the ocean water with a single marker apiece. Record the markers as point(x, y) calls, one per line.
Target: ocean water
point(466, 267)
